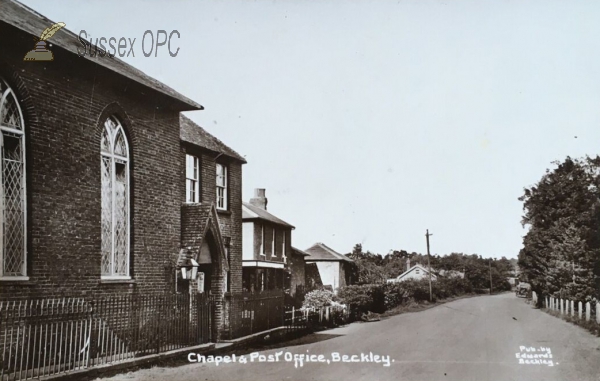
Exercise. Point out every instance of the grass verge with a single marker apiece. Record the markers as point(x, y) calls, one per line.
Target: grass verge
point(591, 325)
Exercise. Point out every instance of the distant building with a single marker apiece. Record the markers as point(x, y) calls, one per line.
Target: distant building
point(267, 247)
point(334, 269)
point(416, 272)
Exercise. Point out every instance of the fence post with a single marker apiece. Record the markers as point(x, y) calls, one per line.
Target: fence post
point(588, 311)
point(560, 301)
point(580, 306)
point(598, 312)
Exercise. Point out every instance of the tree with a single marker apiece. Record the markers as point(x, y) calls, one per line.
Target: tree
point(368, 266)
point(561, 250)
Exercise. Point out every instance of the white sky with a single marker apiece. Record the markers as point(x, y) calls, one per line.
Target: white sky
point(371, 121)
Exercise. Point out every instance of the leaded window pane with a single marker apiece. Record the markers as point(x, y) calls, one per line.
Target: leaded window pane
point(115, 200)
point(105, 143)
point(121, 220)
point(11, 117)
point(12, 181)
point(120, 144)
point(12, 195)
point(106, 173)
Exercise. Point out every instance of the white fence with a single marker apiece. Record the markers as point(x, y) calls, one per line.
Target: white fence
point(588, 311)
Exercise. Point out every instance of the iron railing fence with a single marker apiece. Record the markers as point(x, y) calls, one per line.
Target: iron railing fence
point(256, 312)
point(54, 336)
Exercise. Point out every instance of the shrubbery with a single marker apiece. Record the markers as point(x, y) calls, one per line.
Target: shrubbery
point(318, 299)
point(363, 298)
point(381, 297)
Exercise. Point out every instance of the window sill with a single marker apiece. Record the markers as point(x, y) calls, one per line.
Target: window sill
point(224, 211)
point(15, 279)
point(116, 280)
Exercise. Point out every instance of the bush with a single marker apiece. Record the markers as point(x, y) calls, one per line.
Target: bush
point(363, 298)
point(503, 286)
point(418, 289)
point(381, 297)
point(395, 294)
point(318, 299)
point(448, 287)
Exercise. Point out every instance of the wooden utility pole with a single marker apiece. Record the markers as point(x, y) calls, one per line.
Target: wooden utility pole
point(490, 263)
point(429, 266)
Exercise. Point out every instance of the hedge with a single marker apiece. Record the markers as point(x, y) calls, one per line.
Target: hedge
point(381, 297)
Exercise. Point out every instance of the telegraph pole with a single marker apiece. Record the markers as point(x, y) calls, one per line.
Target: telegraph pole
point(490, 263)
point(429, 265)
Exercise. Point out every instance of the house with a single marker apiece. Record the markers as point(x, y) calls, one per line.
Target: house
point(415, 272)
point(335, 270)
point(266, 247)
point(211, 217)
point(107, 189)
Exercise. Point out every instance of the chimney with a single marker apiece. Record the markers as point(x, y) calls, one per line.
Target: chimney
point(259, 200)
point(407, 264)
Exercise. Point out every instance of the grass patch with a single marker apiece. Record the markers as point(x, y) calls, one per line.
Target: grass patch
point(590, 326)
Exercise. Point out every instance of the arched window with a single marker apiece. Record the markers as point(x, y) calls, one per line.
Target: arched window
point(115, 200)
point(13, 247)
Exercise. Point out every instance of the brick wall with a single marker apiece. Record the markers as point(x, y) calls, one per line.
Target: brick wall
point(65, 103)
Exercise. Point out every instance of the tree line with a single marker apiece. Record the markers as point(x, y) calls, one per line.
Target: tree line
point(561, 249)
point(372, 268)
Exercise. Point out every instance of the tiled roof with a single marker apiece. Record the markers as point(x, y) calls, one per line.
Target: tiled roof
point(300, 252)
point(251, 212)
point(29, 21)
point(321, 252)
point(194, 134)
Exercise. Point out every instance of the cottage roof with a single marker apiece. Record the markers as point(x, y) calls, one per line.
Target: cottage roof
point(321, 252)
point(251, 212)
point(192, 133)
point(415, 267)
point(299, 252)
point(31, 22)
